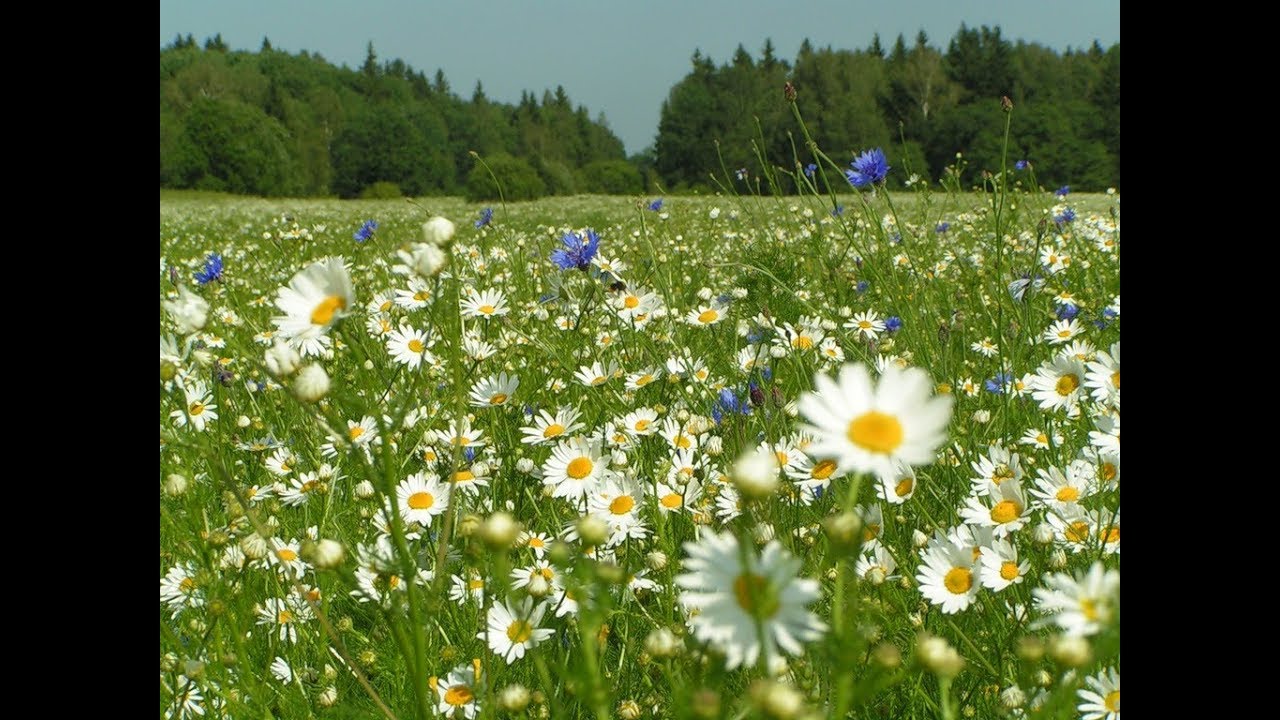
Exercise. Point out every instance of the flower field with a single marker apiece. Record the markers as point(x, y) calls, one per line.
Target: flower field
point(739, 456)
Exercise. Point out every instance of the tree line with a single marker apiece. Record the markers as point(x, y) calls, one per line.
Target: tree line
point(280, 124)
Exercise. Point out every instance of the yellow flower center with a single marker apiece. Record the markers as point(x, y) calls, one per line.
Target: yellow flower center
point(284, 617)
point(1005, 511)
point(598, 380)
point(1067, 384)
point(708, 316)
point(1089, 608)
point(520, 631)
point(475, 584)
point(958, 580)
point(672, 501)
point(385, 306)
point(642, 425)
point(536, 541)
point(498, 399)
point(187, 585)
point(755, 596)
point(1077, 531)
point(1111, 535)
point(1064, 334)
point(458, 695)
point(579, 468)
point(415, 345)
point(870, 532)
point(354, 432)
point(823, 470)
point(1068, 494)
point(804, 342)
point(631, 302)
point(486, 309)
point(875, 431)
point(1108, 471)
point(682, 442)
point(644, 380)
point(622, 505)
point(1009, 570)
point(1112, 701)
point(1115, 379)
point(286, 555)
point(324, 312)
point(196, 408)
point(783, 458)
point(464, 476)
point(421, 500)
point(864, 324)
point(904, 487)
point(421, 296)
point(553, 430)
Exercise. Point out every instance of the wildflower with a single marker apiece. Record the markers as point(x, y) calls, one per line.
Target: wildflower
point(946, 575)
point(1101, 699)
point(438, 231)
point(189, 311)
point(486, 217)
point(1020, 165)
point(513, 629)
point(736, 593)
point(1082, 604)
point(1062, 191)
point(212, 270)
point(892, 324)
point(366, 231)
point(868, 168)
point(942, 227)
point(577, 251)
point(656, 205)
point(810, 169)
point(316, 298)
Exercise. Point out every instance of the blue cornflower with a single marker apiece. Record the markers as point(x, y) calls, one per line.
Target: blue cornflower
point(862, 286)
point(486, 217)
point(1066, 312)
point(212, 270)
point(1062, 191)
point(837, 211)
point(470, 454)
point(366, 231)
point(767, 373)
point(892, 324)
point(656, 205)
point(942, 227)
point(868, 168)
point(1067, 216)
point(577, 252)
point(810, 169)
point(997, 384)
point(727, 403)
point(1110, 314)
point(896, 238)
point(1020, 165)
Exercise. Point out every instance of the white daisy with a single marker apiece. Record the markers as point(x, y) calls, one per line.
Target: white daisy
point(514, 629)
point(494, 390)
point(1101, 699)
point(1081, 605)
point(421, 497)
point(946, 575)
point(315, 299)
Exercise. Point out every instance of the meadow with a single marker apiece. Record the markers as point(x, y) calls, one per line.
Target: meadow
point(728, 456)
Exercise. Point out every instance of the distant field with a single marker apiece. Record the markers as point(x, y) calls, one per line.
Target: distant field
point(706, 526)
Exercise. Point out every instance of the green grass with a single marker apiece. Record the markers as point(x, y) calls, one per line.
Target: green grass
point(797, 265)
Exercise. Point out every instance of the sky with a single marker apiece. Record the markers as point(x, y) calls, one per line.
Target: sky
point(617, 57)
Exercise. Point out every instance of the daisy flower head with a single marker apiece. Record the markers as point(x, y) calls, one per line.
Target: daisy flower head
point(1000, 567)
point(1004, 509)
point(746, 605)
point(548, 428)
point(494, 390)
point(946, 575)
point(485, 304)
point(706, 315)
point(867, 324)
point(1062, 331)
point(316, 298)
point(408, 346)
point(512, 629)
point(421, 497)
point(1082, 605)
point(575, 468)
point(199, 409)
point(458, 693)
point(1100, 699)
point(865, 427)
point(1103, 378)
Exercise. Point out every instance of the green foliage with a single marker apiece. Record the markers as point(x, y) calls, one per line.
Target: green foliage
point(381, 190)
point(244, 150)
point(612, 177)
point(520, 180)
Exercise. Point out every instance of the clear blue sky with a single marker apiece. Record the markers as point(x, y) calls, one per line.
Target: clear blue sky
point(619, 57)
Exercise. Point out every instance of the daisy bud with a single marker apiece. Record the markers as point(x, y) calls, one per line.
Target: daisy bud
point(1069, 651)
point(618, 459)
point(175, 485)
point(438, 231)
point(1058, 559)
point(345, 624)
point(663, 643)
point(203, 357)
point(325, 554)
point(876, 575)
point(656, 560)
point(844, 530)
point(328, 697)
point(559, 553)
point(704, 293)
point(253, 546)
point(1012, 697)
point(367, 658)
point(311, 384)
point(480, 469)
point(628, 710)
point(282, 360)
point(330, 673)
point(887, 655)
point(428, 260)
point(982, 417)
point(592, 530)
point(1044, 679)
point(364, 490)
point(755, 474)
point(919, 539)
point(777, 700)
point(469, 525)
point(499, 531)
point(791, 409)
point(538, 587)
point(524, 465)
point(937, 655)
point(513, 698)
point(777, 352)
point(1042, 534)
point(682, 415)
point(368, 365)
point(714, 446)
point(193, 669)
